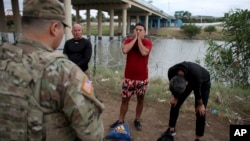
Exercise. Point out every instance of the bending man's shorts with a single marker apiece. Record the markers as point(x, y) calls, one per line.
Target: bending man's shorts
point(131, 87)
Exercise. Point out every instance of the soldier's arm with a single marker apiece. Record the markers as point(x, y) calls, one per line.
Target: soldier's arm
point(72, 94)
point(82, 107)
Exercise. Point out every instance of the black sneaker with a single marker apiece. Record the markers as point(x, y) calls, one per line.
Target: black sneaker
point(115, 124)
point(137, 124)
point(197, 140)
point(169, 132)
point(166, 137)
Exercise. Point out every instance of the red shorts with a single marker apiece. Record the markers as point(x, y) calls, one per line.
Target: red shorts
point(131, 87)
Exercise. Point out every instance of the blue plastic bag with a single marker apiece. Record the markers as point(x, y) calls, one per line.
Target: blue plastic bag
point(121, 132)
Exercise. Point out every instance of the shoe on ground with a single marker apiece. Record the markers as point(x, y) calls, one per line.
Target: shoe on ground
point(197, 140)
point(115, 124)
point(137, 125)
point(170, 132)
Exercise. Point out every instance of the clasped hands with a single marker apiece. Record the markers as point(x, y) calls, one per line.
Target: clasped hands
point(138, 35)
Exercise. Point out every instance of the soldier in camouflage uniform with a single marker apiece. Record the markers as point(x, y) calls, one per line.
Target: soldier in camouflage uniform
point(43, 95)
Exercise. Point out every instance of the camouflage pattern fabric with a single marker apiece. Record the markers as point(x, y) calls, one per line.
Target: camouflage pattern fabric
point(44, 96)
point(44, 9)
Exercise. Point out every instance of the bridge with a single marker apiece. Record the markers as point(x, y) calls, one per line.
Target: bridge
point(128, 11)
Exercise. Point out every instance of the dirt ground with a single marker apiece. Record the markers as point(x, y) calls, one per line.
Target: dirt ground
point(155, 117)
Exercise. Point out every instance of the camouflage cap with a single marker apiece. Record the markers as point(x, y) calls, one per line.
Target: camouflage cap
point(44, 9)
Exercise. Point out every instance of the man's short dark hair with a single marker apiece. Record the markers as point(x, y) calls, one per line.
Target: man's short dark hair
point(140, 24)
point(177, 85)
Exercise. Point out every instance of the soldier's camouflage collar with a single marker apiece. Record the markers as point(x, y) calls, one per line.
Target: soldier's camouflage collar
point(34, 43)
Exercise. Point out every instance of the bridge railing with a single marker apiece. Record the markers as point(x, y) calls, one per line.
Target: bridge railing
point(149, 5)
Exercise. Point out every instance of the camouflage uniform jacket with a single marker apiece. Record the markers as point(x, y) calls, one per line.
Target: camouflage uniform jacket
point(70, 109)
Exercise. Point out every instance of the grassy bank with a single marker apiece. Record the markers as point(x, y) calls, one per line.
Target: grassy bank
point(167, 32)
point(105, 30)
point(176, 32)
point(232, 103)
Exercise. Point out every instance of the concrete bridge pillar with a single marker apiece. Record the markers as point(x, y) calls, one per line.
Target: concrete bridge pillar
point(128, 24)
point(68, 18)
point(111, 25)
point(3, 26)
point(17, 18)
point(119, 24)
point(88, 22)
point(158, 23)
point(151, 24)
point(146, 24)
point(137, 19)
point(99, 25)
point(124, 19)
point(77, 15)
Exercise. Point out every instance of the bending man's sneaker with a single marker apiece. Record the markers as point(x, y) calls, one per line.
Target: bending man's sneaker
point(171, 132)
point(115, 124)
point(137, 124)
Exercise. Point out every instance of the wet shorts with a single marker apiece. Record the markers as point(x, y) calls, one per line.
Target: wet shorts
point(131, 87)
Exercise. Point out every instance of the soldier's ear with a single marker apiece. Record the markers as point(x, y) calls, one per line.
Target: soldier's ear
point(54, 28)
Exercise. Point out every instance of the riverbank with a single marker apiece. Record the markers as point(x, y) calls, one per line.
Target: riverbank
point(166, 32)
point(177, 33)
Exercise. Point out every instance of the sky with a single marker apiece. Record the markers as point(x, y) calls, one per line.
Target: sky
point(215, 8)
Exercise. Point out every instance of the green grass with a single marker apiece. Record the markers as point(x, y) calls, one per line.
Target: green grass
point(234, 102)
point(107, 79)
point(168, 32)
point(158, 90)
point(105, 30)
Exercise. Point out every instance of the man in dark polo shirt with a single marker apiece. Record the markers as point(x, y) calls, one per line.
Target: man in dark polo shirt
point(78, 49)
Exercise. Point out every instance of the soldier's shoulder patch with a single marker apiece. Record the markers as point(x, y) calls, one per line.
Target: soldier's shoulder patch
point(87, 87)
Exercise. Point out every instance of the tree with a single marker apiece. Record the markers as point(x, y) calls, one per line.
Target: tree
point(74, 18)
point(178, 14)
point(186, 16)
point(10, 22)
point(93, 19)
point(210, 29)
point(104, 19)
point(191, 30)
point(230, 62)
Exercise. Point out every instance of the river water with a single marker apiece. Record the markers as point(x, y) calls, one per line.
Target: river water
point(165, 53)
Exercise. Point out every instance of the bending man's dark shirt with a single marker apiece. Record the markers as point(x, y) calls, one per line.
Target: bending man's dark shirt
point(194, 74)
